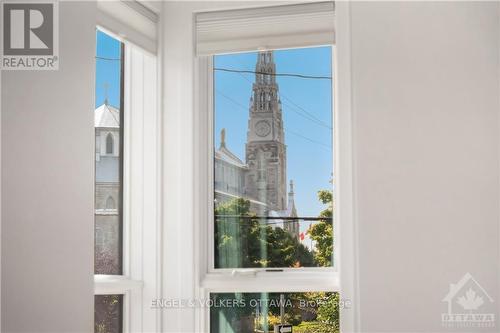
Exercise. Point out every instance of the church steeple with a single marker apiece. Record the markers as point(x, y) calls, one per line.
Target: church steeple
point(265, 89)
point(265, 121)
point(265, 69)
point(265, 149)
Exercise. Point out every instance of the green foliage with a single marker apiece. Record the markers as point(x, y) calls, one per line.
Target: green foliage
point(322, 232)
point(325, 196)
point(328, 311)
point(271, 321)
point(315, 327)
point(107, 313)
point(244, 241)
point(309, 312)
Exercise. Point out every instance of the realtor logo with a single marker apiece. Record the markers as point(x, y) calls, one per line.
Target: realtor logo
point(469, 305)
point(29, 35)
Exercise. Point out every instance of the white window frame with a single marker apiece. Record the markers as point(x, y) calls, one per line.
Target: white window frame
point(259, 280)
point(140, 282)
point(325, 277)
point(305, 279)
point(184, 166)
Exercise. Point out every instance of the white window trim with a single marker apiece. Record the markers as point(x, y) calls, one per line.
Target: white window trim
point(305, 279)
point(140, 283)
point(183, 211)
point(346, 202)
point(132, 20)
point(325, 278)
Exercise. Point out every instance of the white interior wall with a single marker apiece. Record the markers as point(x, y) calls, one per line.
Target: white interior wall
point(425, 109)
point(47, 186)
point(425, 104)
point(425, 122)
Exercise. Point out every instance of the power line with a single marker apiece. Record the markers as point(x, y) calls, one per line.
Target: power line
point(317, 122)
point(109, 59)
point(247, 220)
point(309, 116)
point(302, 76)
point(305, 111)
point(308, 139)
point(287, 218)
point(232, 100)
point(286, 131)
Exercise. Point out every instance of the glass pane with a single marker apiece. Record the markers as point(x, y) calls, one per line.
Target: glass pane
point(311, 312)
point(108, 313)
point(273, 160)
point(108, 155)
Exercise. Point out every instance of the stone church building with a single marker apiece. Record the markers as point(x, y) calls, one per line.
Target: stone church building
point(261, 178)
point(107, 189)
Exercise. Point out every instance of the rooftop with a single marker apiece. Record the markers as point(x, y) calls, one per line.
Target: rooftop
point(107, 116)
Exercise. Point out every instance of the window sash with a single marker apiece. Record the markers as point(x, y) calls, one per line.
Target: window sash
point(184, 122)
point(306, 279)
point(206, 104)
point(236, 280)
point(141, 274)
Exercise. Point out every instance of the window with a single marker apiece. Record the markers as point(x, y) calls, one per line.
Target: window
point(126, 218)
point(259, 312)
point(273, 159)
point(273, 183)
point(108, 116)
point(110, 203)
point(108, 169)
point(109, 144)
point(108, 313)
point(270, 234)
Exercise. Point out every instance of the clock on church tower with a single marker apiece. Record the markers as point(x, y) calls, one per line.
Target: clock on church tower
point(265, 148)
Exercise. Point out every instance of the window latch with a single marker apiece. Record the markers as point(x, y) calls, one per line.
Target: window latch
point(244, 272)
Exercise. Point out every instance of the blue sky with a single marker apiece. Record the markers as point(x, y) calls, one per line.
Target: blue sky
point(107, 71)
point(307, 115)
point(307, 109)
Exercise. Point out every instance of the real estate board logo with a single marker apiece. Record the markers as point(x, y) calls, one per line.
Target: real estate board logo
point(469, 305)
point(30, 35)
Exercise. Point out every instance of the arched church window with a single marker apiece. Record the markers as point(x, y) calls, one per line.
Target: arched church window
point(109, 144)
point(110, 203)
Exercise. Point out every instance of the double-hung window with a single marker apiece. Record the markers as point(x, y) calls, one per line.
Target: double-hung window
point(268, 253)
point(126, 168)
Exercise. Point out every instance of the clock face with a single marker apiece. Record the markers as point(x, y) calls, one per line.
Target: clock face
point(262, 128)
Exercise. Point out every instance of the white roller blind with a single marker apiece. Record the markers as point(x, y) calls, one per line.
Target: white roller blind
point(276, 27)
point(130, 20)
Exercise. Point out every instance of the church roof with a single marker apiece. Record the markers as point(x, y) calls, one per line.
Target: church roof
point(107, 116)
point(226, 155)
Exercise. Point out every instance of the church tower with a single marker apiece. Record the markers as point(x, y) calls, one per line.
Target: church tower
point(265, 148)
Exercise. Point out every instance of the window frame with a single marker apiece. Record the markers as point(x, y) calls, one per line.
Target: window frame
point(206, 93)
point(212, 280)
point(139, 282)
point(181, 123)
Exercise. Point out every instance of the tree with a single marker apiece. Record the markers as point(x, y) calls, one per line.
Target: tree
point(241, 240)
point(322, 232)
point(107, 313)
point(328, 311)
